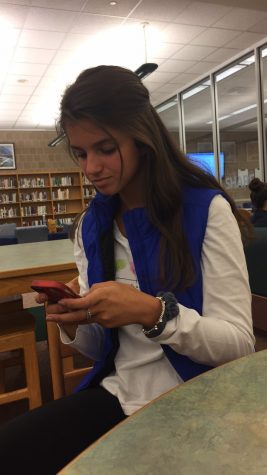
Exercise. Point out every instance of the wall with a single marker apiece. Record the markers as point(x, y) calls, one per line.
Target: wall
point(32, 152)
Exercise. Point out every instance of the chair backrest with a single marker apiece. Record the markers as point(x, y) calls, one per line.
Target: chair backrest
point(8, 234)
point(256, 257)
point(259, 312)
point(245, 213)
point(8, 230)
point(65, 377)
point(11, 304)
point(32, 234)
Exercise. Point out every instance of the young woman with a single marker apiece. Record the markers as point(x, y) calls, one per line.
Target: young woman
point(161, 252)
point(258, 196)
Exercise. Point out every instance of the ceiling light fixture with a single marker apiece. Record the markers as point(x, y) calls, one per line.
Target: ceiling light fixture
point(147, 68)
point(57, 140)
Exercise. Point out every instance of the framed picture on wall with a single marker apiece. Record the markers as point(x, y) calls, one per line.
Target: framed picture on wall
point(252, 151)
point(7, 156)
point(229, 150)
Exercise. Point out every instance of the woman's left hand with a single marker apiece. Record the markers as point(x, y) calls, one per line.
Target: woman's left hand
point(111, 304)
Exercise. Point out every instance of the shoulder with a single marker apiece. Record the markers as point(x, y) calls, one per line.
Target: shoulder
point(219, 204)
point(221, 215)
point(199, 197)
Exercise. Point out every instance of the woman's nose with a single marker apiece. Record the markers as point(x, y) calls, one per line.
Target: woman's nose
point(93, 164)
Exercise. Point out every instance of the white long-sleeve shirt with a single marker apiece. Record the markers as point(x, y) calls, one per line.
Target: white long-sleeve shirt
point(223, 332)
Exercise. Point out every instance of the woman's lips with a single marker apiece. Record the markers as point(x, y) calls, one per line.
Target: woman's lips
point(101, 181)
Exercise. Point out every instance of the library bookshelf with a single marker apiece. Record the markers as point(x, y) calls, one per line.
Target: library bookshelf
point(31, 198)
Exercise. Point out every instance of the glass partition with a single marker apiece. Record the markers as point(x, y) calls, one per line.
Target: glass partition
point(238, 126)
point(168, 112)
point(197, 115)
point(264, 87)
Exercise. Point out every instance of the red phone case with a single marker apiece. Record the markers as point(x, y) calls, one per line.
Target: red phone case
point(53, 289)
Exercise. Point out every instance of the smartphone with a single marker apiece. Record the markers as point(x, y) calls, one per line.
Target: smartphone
point(53, 289)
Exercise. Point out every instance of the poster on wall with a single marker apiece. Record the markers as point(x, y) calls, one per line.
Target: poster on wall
point(7, 156)
point(229, 149)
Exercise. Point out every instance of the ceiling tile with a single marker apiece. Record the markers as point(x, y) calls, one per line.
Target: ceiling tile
point(201, 13)
point(260, 27)
point(93, 24)
point(74, 40)
point(11, 99)
point(12, 79)
point(245, 40)
point(40, 39)
point(33, 55)
point(28, 69)
point(13, 14)
point(222, 54)
point(9, 114)
point(184, 78)
point(201, 67)
point(9, 38)
point(5, 106)
point(50, 20)
point(18, 90)
point(61, 57)
point(181, 33)
point(168, 88)
point(151, 85)
point(103, 7)
point(58, 4)
point(17, 2)
point(214, 37)
point(172, 66)
point(6, 124)
point(159, 10)
point(195, 52)
point(162, 77)
point(239, 19)
point(164, 50)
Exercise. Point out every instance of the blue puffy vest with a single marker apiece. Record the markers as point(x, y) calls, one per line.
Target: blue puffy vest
point(97, 235)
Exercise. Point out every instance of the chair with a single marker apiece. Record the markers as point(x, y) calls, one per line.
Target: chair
point(259, 318)
point(245, 213)
point(8, 234)
point(31, 233)
point(259, 312)
point(63, 372)
point(17, 332)
point(256, 258)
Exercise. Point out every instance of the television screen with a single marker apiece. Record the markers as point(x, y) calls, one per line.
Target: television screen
point(207, 162)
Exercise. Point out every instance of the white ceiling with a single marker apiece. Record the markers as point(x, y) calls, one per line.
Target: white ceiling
point(46, 43)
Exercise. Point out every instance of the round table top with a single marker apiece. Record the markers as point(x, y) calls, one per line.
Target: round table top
point(215, 424)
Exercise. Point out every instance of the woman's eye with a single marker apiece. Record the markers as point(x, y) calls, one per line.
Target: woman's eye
point(79, 154)
point(108, 151)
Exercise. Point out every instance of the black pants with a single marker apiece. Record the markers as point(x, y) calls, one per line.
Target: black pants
point(44, 440)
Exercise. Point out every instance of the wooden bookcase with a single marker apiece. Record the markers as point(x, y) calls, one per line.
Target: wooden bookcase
point(29, 199)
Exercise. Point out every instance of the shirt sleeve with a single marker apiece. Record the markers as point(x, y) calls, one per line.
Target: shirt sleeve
point(224, 332)
point(89, 339)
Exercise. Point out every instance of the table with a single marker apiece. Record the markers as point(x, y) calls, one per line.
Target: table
point(215, 424)
point(21, 263)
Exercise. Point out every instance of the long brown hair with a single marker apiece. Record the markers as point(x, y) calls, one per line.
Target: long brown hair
point(115, 97)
